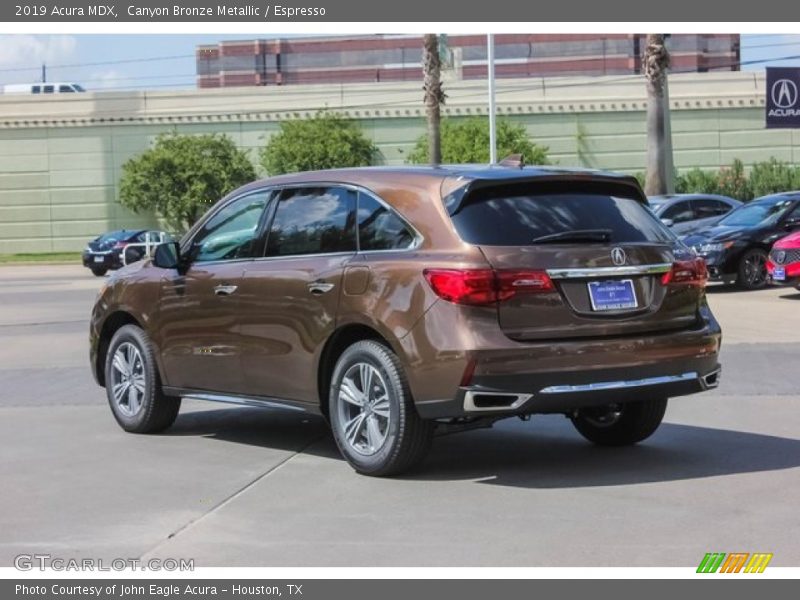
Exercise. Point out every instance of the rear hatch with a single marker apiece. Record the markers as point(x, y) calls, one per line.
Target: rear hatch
point(607, 263)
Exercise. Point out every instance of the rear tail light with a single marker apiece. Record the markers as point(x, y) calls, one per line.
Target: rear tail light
point(480, 287)
point(687, 272)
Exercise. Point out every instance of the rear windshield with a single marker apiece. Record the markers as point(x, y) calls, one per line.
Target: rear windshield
point(516, 216)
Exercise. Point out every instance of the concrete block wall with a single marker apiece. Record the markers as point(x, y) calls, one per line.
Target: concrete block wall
point(60, 160)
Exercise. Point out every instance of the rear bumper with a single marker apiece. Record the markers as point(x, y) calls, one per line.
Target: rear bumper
point(477, 401)
point(555, 376)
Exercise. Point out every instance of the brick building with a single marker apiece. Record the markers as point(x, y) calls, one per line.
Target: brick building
point(377, 58)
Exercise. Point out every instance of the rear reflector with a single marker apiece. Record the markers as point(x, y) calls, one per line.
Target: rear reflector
point(687, 272)
point(480, 287)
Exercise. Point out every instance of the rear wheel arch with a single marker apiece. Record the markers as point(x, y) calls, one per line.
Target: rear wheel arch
point(341, 339)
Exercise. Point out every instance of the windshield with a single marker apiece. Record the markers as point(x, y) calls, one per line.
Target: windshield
point(758, 213)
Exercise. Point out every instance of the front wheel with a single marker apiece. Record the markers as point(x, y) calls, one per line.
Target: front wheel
point(620, 424)
point(372, 414)
point(133, 385)
point(752, 270)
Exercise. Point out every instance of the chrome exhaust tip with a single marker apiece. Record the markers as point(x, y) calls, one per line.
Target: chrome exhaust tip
point(478, 401)
point(710, 380)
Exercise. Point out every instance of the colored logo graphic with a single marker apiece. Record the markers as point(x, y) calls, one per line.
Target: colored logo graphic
point(737, 562)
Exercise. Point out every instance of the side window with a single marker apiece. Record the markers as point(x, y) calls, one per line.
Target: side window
point(48, 89)
point(706, 207)
point(65, 89)
point(313, 221)
point(679, 212)
point(232, 232)
point(37, 89)
point(379, 228)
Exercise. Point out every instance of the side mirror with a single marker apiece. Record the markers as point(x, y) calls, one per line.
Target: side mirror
point(167, 255)
point(668, 222)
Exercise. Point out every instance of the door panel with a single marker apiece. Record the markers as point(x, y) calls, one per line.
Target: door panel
point(287, 311)
point(198, 331)
point(200, 343)
point(289, 299)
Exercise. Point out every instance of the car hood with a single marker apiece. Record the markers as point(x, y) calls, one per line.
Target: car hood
point(789, 242)
point(719, 233)
point(129, 270)
point(691, 227)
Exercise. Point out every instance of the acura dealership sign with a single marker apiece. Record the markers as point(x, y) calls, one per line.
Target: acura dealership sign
point(783, 97)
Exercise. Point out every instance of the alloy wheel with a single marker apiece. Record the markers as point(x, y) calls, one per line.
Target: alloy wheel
point(364, 408)
point(755, 270)
point(128, 379)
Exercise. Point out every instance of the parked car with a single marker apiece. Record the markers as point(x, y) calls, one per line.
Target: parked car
point(685, 213)
point(783, 265)
point(737, 247)
point(398, 301)
point(105, 252)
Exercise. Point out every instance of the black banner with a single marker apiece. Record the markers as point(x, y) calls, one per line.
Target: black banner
point(783, 97)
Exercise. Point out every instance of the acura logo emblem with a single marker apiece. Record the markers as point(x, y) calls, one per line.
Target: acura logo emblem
point(784, 93)
point(780, 257)
point(618, 256)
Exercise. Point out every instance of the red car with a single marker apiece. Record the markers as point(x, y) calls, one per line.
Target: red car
point(783, 264)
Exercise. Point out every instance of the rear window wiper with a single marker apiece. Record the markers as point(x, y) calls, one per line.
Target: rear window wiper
point(577, 235)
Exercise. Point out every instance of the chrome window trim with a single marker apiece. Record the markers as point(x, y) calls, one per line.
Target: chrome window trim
point(617, 385)
point(272, 188)
point(585, 273)
point(418, 237)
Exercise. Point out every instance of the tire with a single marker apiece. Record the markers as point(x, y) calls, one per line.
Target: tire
point(151, 411)
point(390, 437)
point(99, 272)
point(621, 424)
point(752, 272)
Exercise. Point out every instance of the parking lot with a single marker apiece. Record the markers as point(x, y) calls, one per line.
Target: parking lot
point(254, 487)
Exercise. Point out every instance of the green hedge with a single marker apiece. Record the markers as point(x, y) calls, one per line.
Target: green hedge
point(764, 178)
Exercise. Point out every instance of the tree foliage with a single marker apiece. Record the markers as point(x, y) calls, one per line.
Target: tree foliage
point(326, 141)
point(467, 141)
point(182, 175)
point(767, 177)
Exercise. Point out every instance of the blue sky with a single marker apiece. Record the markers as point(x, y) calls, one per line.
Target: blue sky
point(22, 55)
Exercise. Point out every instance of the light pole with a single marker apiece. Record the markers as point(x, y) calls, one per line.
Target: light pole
point(492, 124)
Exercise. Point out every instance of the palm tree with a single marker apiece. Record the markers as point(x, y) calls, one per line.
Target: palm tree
point(656, 64)
point(434, 95)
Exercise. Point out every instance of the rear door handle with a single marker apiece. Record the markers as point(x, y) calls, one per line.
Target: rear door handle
point(320, 287)
point(225, 290)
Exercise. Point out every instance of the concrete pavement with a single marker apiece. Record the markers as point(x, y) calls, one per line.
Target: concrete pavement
point(248, 487)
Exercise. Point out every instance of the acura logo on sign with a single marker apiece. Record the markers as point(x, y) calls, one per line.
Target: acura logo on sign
point(618, 256)
point(784, 93)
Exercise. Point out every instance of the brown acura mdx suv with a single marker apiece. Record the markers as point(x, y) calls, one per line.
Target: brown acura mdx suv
point(399, 301)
